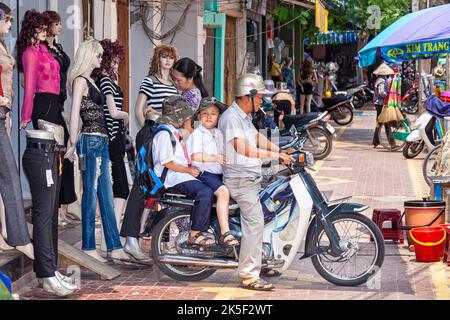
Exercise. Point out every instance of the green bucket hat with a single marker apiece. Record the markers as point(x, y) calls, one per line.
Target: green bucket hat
point(175, 110)
point(208, 102)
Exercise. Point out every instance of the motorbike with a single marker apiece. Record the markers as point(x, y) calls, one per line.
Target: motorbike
point(340, 107)
point(361, 94)
point(428, 132)
point(410, 100)
point(421, 136)
point(345, 247)
point(312, 126)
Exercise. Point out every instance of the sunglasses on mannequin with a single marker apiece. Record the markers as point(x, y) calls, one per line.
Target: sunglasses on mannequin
point(99, 55)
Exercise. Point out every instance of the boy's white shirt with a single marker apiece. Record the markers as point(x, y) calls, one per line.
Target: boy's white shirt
point(203, 140)
point(163, 153)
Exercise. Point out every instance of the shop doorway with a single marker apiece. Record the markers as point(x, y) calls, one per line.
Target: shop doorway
point(209, 61)
point(123, 38)
point(230, 59)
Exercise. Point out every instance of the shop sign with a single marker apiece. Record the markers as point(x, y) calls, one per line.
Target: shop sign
point(413, 51)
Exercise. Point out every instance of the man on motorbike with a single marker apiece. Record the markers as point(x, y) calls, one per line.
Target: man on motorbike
point(245, 147)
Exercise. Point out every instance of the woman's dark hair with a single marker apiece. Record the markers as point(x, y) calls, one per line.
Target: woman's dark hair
point(190, 69)
point(31, 21)
point(111, 51)
point(307, 70)
point(4, 10)
point(51, 17)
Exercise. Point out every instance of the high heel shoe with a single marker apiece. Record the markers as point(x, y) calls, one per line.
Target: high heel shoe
point(52, 285)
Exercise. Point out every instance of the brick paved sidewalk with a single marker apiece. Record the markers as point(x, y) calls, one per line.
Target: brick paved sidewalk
point(374, 177)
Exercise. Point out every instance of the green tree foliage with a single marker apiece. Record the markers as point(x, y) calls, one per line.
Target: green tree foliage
point(344, 15)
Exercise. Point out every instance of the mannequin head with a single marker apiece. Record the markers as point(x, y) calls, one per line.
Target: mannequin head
point(33, 31)
point(113, 55)
point(163, 59)
point(88, 57)
point(53, 23)
point(188, 75)
point(6, 19)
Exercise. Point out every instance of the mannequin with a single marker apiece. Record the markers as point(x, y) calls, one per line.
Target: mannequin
point(42, 167)
point(12, 218)
point(67, 193)
point(157, 86)
point(106, 78)
point(92, 150)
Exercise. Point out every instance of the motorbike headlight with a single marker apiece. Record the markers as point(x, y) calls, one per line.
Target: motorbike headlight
point(309, 159)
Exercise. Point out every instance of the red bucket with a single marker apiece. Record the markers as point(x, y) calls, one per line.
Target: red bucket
point(429, 243)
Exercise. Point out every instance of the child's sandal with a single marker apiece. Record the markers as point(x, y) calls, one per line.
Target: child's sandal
point(201, 239)
point(228, 240)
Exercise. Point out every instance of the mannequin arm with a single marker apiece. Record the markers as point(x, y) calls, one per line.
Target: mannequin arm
point(115, 114)
point(139, 109)
point(30, 69)
point(79, 87)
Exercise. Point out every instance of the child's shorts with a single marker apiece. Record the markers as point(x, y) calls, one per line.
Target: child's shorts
point(212, 180)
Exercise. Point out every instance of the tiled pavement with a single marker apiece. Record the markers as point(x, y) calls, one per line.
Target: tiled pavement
point(374, 177)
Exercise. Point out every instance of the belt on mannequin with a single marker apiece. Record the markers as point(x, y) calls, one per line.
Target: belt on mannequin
point(48, 147)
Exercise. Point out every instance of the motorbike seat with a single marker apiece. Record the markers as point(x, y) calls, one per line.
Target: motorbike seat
point(299, 120)
point(329, 102)
point(175, 198)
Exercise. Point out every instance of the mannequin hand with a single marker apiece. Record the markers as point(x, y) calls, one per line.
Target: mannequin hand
point(70, 154)
point(126, 121)
point(23, 125)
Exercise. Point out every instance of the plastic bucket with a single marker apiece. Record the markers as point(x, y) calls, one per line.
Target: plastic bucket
point(429, 243)
point(421, 213)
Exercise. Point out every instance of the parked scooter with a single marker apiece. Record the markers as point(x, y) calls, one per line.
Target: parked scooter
point(312, 126)
point(340, 108)
point(346, 247)
point(426, 134)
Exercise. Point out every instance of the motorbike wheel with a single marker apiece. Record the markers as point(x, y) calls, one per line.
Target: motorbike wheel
point(343, 115)
point(429, 164)
point(364, 253)
point(413, 149)
point(169, 230)
point(318, 142)
point(358, 101)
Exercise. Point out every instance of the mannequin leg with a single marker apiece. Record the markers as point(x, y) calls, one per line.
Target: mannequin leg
point(144, 218)
point(119, 205)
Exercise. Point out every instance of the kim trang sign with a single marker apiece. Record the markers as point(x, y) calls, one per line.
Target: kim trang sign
point(415, 51)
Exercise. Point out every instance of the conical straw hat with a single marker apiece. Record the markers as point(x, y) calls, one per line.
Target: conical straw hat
point(383, 70)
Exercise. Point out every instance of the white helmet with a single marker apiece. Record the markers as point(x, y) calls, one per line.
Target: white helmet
point(248, 82)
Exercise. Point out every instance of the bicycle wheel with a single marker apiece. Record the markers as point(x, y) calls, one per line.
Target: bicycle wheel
point(396, 131)
point(429, 164)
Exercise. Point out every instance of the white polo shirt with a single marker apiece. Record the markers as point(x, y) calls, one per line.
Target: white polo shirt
point(235, 123)
point(209, 141)
point(163, 153)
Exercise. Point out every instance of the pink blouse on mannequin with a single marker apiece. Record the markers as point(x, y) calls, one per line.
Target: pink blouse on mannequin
point(41, 75)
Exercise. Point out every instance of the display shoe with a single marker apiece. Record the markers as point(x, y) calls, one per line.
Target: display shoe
point(65, 284)
point(120, 257)
point(65, 278)
point(27, 250)
point(132, 248)
point(94, 254)
point(60, 277)
point(53, 285)
point(3, 245)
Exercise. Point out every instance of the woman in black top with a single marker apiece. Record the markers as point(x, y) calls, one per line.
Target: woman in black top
point(106, 78)
point(67, 194)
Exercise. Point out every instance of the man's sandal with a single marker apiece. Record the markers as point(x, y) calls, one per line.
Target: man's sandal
point(228, 240)
point(257, 284)
point(201, 239)
point(269, 272)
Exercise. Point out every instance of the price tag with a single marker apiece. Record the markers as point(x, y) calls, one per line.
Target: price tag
point(49, 176)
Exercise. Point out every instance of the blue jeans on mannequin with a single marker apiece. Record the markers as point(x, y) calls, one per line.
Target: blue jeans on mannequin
point(97, 184)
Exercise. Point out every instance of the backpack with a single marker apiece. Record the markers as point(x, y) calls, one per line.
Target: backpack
point(146, 178)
